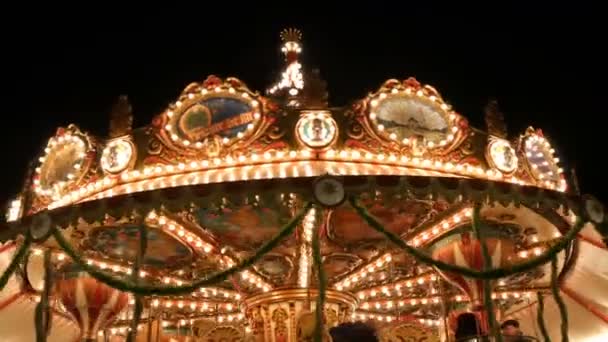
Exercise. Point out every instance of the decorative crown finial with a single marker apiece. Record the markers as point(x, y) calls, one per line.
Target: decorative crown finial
point(314, 95)
point(121, 117)
point(495, 120)
point(291, 35)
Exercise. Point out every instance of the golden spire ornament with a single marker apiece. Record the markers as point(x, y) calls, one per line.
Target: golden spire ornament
point(291, 35)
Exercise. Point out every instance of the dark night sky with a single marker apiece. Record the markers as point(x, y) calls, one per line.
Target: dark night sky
point(542, 65)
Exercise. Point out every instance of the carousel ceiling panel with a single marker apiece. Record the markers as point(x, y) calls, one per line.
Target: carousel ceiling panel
point(14, 284)
point(347, 229)
point(18, 324)
point(122, 242)
point(589, 279)
point(591, 233)
point(244, 226)
point(534, 226)
point(583, 325)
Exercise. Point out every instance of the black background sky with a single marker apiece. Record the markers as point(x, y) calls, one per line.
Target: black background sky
point(544, 64)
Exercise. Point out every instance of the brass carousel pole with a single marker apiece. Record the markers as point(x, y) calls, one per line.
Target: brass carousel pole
point(150, 318)
point(444, 308)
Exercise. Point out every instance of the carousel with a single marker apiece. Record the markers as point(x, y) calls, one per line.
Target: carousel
point(241, 216)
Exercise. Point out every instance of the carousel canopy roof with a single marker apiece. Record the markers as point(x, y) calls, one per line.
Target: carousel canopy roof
point(219, 130)
point(221, 170)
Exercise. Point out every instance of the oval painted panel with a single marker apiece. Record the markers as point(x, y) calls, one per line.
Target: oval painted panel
point(398, 216)
point(225, 117)
point(246, 227)
point(408, 117)
point(273, 266)
point(122, 243)
point(539, 156)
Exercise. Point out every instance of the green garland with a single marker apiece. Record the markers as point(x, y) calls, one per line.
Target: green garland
point(316, 250)
point(487, 263)
point(493, 273)
point(558, 299)
point(12, 267)
point(147, 290)
point(133, 286)
point(539, 317)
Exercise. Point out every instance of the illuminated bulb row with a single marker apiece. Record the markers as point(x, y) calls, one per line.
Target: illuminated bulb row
point(205, 91)
point(532, 150)
point(308, 226)
point(227, 261)
point(14, 210)
point(219, 318)
point(157, 172)
point(388, 290)
point(291, 46)
point(397, 304)
point(100, 264)
point(84, 191)
point(445, 225)
point(513, 294)
point(192, 305)
point(373, 317)
point(499, 295)
point(255, 280)
point(424, 163)
point(389, 318)
point(164, 170)
point(118, 268)
point(536, 251)
point(291, 78)
point(408, 91)
point(215, 292)
point(54, 143)
point(119, 330)
point(230, 318)
point(364, 272)
point(174, 228)
point(389, 304)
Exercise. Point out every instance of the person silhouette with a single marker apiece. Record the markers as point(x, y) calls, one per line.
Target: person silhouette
point(510, 331)
point(358, 331)
point(467, 328)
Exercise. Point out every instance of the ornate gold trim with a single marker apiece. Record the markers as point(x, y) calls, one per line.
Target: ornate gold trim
point(285, 295)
